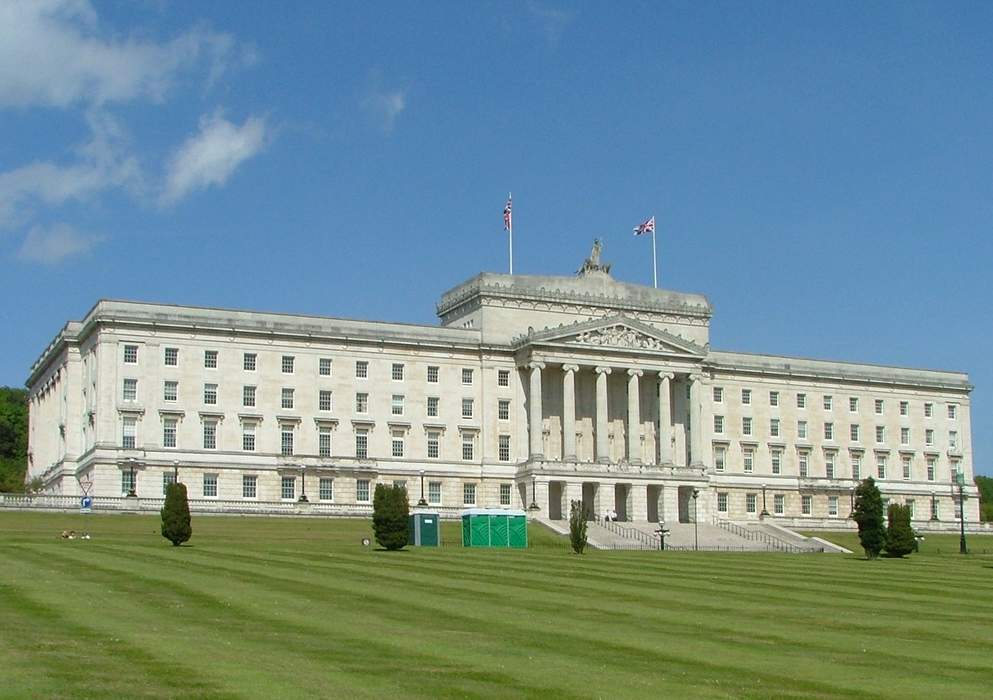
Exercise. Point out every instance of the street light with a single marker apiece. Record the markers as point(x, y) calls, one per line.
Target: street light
point(696, 539)
point(534, 501)
point(132, 493)
point(662, 532)
point(960, 478)
point(422, 502)
point(764, 512)
point(303, 484)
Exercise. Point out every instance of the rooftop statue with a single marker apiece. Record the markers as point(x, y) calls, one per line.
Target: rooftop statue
point(592, 264)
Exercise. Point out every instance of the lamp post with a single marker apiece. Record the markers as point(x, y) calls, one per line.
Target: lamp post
point(960, 478)
point(534, 501)
point(764, 512)
point(696, 539)
point(422, 502)
point(303, 484)
point(132, 493)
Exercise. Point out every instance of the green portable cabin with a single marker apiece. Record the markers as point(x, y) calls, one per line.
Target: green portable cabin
point(424, 529)
point(494, 527)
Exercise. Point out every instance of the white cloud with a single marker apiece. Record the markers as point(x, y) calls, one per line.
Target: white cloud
point(385, 105)
point(212, 155)
point(53, 53)
point(53, 245)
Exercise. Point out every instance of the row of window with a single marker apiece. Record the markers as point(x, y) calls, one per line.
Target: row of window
point(854, 431)
point(807, 503)
point(827, 401)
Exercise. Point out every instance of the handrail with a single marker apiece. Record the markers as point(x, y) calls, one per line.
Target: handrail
point(759, 536)
point(631, 533)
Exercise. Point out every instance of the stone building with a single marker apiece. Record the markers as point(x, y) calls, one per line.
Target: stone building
point(533, 392)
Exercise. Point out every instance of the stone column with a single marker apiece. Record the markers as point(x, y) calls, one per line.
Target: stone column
point(634, 416)
point(569, 412)
point(665, 417)
point(696, 422)
point(535, 410)
point(638, 511)
point(602, 442)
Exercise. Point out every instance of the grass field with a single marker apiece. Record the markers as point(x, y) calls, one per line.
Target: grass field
point(265, 608)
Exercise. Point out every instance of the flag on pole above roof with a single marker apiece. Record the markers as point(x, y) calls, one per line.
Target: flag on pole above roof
point(508, 221)
point(644, 227)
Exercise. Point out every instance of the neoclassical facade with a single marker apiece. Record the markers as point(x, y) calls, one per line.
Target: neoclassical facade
point(533, 392)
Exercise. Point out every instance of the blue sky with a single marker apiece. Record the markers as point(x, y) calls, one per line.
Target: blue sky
point(822, 171)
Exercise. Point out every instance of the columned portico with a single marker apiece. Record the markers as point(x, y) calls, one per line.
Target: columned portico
point(634, 416)
point(665, 417)
point(602, 440)
point(569, 412)
point(535, 425)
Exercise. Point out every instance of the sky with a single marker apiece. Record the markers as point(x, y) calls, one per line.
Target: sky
point(823, 172)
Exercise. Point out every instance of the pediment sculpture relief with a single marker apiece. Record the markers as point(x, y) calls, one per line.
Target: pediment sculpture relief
point(620, 337)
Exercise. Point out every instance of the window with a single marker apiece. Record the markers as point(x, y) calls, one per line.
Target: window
point(361, 369)
point(774, 427)
point(879, 407)
point(750, 501)
point(505, 494)
point(248, 437)
point(720, 456)
point(904, 436)
point(210, 485)
point(833, 506)
point(249, 361)
point(128, 482)
point(210, 359)
point(210, 435)
point(169, 432)
point(397, 443)
point(433, 406)
point(468, 494)
point(828, 402)
point(777, 461)
point(749, 460)
point(804, 460)
point(853, 404)
point(130, 390)
point(287, 364)
point(934, 509)
point(906, 468)
point(805, 505)
point(467, 445)
point(287, 488)
point(746, 397)
point(128, 433)
point(286, 440)
point(801, 429)
point(171, 357)
point(170, 391)
point(953, 410)
point(433, 440)
point(746, 426)
point(362, 490)
point(210, 394)
point(881, 466)
point(829, 465)
point(466, 376)
point(853, 432)
point(504, 448)
point(931, 468)
point(249, 483)
point(362, 443)
point(361, 402)
point(773, 398)
point(324, 400)
point(248, 396)
point(467, 408)
point(904, 408)
point(286, 398)
point(396, 372)
point(829, 431)
point(396, 405)
point(503, 379)
point(929, 436)
point(718, 394)
point(953, 439)
point(434, 493)
point(324, 441)
point(719, 424)
point(324, 367)
point(722, 503)
point(432, 375)
point(325, 489)
point(130, 354)
point(856, 465)
point(910, 506)
point(503, 409)
point(779, 504)
point(880, 434)
point(801, 400)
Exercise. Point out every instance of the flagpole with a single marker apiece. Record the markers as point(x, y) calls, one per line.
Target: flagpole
point(510, 229)
point(655, 268)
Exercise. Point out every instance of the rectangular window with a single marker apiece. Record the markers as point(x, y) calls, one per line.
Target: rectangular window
point(286, 440)
point(504, 448)
point(249, 484)
point(286, 398)
point(833, 506)
point(953, 411)
point(904, 408)
point(718, 394)
point(171, 357)
point(210, 359)
point(746, 426)
point(467, 445)
point(130, 390)
point(805, 505)
point(131, 354)
point(468, 494)
point(167, 479)
point(829, 431)
point(397, 443)
point(248, 437)
point(749, 460)
point(503, 379)
point(287, 488)
point(361, 402)
point(929, 436)
point(719, 424)
point(287, 364)
point(856, 465)
point(904, 436)
point(432, 406)
point(248, 396)
point(853, 404)
point(324, 400)
point(829, 465)
point(828, 402)
point(466, 376)
point(779, 504)
point(803, 461)
point(774, 427)
point(170, 391)
point(467, 408)
point(432, 375)
point(931, 468)
point(853, 432)
point(324, 366)
point(773, 398)
point(434, 438)
point(879, 407)
point(750, 501)
point(324, 441)
point(720, 457)
point(249, 361)
point(362, 443)
point(801, 429)
point(910, 506)
point(746, 397)
point(362, 490)
point(434, 493)
point(880, 434)
point(906, 468)
point(128, 433)
point(934, 509)
point(210, 435)
point(777, 461)
point(210, 394)
point(210, 485)
point(503, 409)
point(881, 466)
point(722, 503)
point(953, 439)
point(801, 400)
point(396, 405)
point(396, 372)
point(929, 410)
point(361, 369)
point(169, 432)
point(505, 494)
point(325, 489)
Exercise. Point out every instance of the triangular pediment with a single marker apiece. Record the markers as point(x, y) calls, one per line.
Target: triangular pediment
point(618, 332)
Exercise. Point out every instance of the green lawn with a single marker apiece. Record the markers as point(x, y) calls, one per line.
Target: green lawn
point(267, 608)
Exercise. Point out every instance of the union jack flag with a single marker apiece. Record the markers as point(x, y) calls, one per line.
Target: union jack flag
point(508, 220)
point(644, 227)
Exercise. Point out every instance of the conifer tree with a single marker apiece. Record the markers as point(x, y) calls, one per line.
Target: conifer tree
point(899, 533)
point(390, 513)
point(868, 514)
point(577, 526)
point(176, 525)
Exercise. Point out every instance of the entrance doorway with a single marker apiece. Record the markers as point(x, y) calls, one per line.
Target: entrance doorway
point(686, 507)
point(654, 496)
point(590, 489)
point(621, 494)
point(556, 489)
